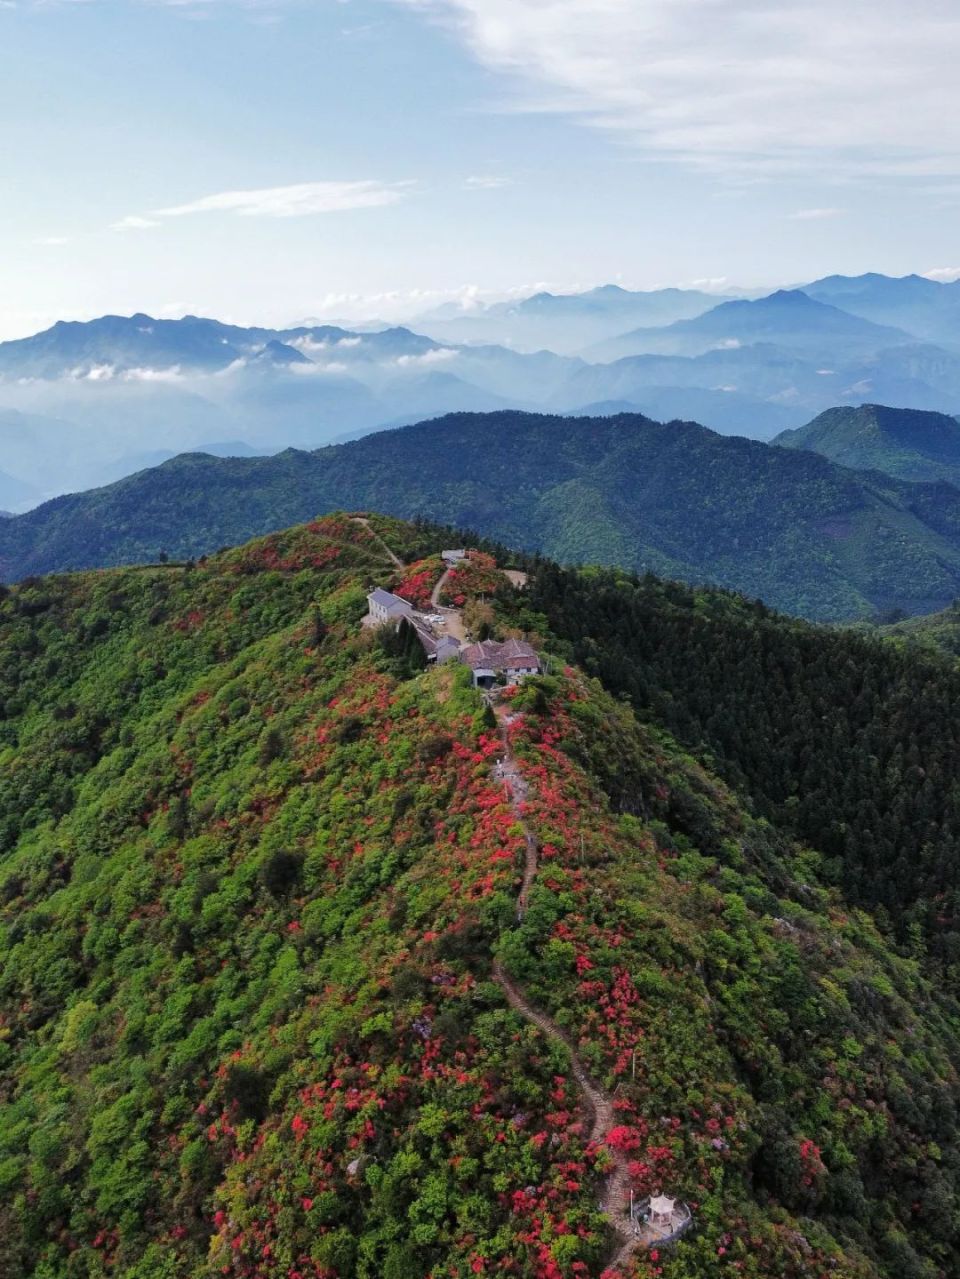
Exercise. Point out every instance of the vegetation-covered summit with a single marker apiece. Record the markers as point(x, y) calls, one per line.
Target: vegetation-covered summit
point(806, 535)
point(910, 444)
point(255, 878)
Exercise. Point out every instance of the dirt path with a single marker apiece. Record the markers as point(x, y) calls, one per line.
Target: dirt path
point(394, 559)
point(614, 1202)
point(452, 617)
point(435, 593)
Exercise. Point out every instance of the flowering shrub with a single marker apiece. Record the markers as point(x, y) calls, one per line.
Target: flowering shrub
point(250, 1026)
point(418, 581)
point(475, 575)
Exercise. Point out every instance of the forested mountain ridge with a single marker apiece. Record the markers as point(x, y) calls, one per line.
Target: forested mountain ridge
point(254, 877)
point(786, 525)
point(846, 740)
point(85, 402)
point(909, 444)
point(939, 632)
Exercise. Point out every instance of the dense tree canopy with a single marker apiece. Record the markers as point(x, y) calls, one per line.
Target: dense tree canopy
point(256, 866)
point(851, 743)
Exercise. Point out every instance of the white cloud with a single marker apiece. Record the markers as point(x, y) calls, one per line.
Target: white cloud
point(737, 86)
point(299, 200)
point(438, 356)
point(51, 241)
point(407, 304)
point(309, 346)
point(485, 182)
point(134, 223)
point(314, 370)
point(943, 274)
point(171, 374)
point(814, 215)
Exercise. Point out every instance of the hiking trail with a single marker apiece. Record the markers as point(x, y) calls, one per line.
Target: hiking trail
point(614, 1202)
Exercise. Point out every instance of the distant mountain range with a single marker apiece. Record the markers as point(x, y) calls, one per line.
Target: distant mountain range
point(787, 525)
point(83, 403)
point(927, 308)
point(787, 318)
point(566, 323)
point(906, 443)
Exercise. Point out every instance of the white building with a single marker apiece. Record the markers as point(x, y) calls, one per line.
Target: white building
point(386, 607)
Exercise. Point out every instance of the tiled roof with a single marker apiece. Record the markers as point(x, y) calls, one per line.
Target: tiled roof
point(492, 655)
point(386, 599)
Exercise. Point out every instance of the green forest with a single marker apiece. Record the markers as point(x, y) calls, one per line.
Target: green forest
point(845, 740)
point(809, 536)
point(258, 876)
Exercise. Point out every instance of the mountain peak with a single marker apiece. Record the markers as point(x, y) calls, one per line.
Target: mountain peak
point(909, 444)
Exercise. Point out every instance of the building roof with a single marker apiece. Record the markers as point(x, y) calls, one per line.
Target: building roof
point(518, 651)
point(492, 655)
point(662, 1205)
point(386, 599)
point(425, 636)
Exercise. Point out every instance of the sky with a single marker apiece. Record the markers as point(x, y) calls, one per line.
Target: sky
point(275, 160)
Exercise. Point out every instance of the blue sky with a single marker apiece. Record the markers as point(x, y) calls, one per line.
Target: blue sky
point(276, 159)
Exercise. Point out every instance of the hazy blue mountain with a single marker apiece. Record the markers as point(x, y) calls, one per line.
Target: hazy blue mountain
point(565, 322)
point(14, 492)
point(278, 354)
point(99, 393)
point(131, 463)
point(73, 348)
point(779, 379)
point(787, 318)
point(435, 393)
point(725, 411)
point(927, 308)
point(117, 344)
point(907, 443)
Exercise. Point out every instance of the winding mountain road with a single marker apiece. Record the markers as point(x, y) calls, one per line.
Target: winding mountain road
point(598, 1103)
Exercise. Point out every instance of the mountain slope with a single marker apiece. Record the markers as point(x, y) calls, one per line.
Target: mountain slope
point(787, 318)
point(934, 632)
point(785, 525)
point(850, 743)
point(259, 937)
point(928, 308)
point(906, 443)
